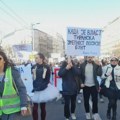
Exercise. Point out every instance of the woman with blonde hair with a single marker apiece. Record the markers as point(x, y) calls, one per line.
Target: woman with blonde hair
point(111, 86)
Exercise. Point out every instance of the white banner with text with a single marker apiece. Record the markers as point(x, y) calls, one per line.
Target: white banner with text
point(83, 41)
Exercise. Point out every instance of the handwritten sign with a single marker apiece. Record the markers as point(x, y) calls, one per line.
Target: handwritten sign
point(83, 41)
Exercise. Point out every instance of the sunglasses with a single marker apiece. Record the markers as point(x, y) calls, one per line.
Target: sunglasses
point(113, 60)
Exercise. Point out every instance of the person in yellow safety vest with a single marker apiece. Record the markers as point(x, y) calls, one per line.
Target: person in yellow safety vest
point(11, 104)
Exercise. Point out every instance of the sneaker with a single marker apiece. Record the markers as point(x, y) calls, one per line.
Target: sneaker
point(96, 116)
point(73, 116)
point(88, 117)
point(59, 97)
point(79, 101)
point(101, 100)
point(67, 119)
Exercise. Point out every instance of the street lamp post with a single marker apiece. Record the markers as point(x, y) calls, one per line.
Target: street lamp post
point(33, 35)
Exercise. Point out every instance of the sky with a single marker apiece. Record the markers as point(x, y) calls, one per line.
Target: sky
point(55, 16)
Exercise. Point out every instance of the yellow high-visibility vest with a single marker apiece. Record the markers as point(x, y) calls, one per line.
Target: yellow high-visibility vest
point(10, 101)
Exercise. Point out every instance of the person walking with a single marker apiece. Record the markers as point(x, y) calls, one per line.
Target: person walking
point(40, 83)
point(111, 88)
point(42, 90)
point(104, 65)
point(68, 71)
point(11, 103)
point(89, 70)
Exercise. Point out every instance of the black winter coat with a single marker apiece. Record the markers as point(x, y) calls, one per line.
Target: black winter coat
point(41, 83)
point(97, 71)
point(69, 84)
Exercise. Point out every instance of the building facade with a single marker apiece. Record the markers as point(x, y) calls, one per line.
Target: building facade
point(111, 39)
point(48, 44)
point(39, 40)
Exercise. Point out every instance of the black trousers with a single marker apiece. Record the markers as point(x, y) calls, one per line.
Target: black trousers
point(87, 92)
point(69, 99)
point(112, 105)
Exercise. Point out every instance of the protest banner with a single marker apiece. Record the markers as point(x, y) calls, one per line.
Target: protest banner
point(25, 72)
point(83, 41)
point(22, 47)
point(57, 81)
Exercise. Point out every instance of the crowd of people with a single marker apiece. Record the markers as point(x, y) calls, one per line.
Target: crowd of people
point(76, 75)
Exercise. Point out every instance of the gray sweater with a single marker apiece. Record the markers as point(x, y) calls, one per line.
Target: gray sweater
point(20, 86)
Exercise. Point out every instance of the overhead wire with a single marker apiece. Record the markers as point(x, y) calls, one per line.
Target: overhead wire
point(10, 15)
point(13, 11)
point(3, 20)
point(13, 14)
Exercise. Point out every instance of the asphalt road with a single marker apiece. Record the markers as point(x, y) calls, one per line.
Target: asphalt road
point(55, 111)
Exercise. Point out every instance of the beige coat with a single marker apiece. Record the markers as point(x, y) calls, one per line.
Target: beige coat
point(108, 75)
